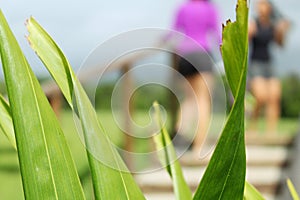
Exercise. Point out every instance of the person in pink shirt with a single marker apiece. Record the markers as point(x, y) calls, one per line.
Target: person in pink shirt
point(199, 21)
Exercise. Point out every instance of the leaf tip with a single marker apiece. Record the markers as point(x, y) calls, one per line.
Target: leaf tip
point(28, 20)
point(155, 104)
point(228, 22)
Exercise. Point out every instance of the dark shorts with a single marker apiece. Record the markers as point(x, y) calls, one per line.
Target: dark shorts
point(194, 63)
point(261, 69)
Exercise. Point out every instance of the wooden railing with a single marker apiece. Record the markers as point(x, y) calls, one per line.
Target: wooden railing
point(123, 65)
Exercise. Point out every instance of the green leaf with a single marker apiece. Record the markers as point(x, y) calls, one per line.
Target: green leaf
point(292, 190)
point(168, 158)
point(224, 177)
point(251, 193)
point(6, 124)
point(111, 179)
point(235, 46)
point(46, 165)
point(52, 56)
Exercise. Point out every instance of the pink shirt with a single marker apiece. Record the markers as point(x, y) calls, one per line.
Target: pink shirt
point(198, 20)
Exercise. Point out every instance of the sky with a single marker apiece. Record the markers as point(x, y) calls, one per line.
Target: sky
point(80, 26)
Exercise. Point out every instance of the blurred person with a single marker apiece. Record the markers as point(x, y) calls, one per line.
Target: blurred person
point(267, 28)
point(199, 21)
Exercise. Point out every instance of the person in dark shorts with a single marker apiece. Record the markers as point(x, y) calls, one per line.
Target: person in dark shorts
point(198, 20)
point(195, 62)
point(264, 85)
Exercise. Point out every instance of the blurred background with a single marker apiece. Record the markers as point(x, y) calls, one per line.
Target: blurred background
point(80, 26)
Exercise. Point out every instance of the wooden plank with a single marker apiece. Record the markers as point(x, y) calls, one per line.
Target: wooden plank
point(266, 179)
point(269, 139)
point(171, 196)
point(127, 107)
point(93, 72)
point(256, 156)
point(262, 139)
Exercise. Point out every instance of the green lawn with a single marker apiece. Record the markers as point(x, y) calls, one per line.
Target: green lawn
point(285, 126)
point(10, 184)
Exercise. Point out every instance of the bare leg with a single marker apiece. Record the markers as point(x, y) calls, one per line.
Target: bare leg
point(195, 109)
point(201, 85)
point(259, 90)
point(273, 105)
point(187, 112)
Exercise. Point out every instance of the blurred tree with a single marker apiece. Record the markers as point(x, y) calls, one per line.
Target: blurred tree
point(290, 104)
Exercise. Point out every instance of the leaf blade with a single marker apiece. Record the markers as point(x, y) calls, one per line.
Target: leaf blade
point(6, 124)
point(251, 193)
point(46, 164)
point(234, 46)
point(118, 177)
point(169, 160)
point(46, 47)
point(224, 177)
point(292, 190)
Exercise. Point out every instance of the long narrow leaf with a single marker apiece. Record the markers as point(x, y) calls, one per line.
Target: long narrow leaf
point(292, 189)
point(169, 160)
point(47, 168)
point(107, 167)
point(224, 177)
point(6, 124)
point(51, 56)
point(251, 193)
point(235, 47)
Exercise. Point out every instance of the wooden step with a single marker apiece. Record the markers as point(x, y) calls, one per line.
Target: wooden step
point(269, 139)
point(265, 179)
point(256, 156)
point(171, 196)
point(266, 155)
point(252, 138)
